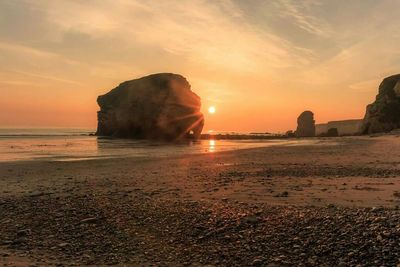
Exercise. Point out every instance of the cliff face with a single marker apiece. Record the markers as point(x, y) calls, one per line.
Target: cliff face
point(158, 106)
point(344, 127)
point(305, 125)
point(384, 114)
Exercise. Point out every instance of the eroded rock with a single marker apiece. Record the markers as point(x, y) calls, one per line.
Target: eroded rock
point(384, 114)
point(305, 124)
point(332, 132)
point(158, 106)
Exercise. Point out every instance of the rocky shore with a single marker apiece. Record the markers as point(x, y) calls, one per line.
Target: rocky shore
point(331, 204)
point(133, 228)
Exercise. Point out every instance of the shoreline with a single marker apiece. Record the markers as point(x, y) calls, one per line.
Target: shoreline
point(250, 207)
point(73, 149)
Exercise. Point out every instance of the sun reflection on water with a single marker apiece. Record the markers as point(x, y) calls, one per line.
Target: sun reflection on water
point(211, 146)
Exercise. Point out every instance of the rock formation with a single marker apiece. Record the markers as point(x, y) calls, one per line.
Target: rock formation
point(332, 132)
point(305, 124)
point(158, 106)
point(343, 127)
point(384, 114)
point(290, 134)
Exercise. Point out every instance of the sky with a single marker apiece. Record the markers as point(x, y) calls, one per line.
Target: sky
point(260, 63)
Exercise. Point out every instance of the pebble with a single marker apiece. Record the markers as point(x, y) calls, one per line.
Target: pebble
point(89, 220)
point(24, 232)
point(257, 262)
point(62, 245)
point(178, 231)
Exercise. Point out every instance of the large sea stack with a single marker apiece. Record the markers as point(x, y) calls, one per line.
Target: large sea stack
point(158, 106)
point(384, 114)
point(305, 124)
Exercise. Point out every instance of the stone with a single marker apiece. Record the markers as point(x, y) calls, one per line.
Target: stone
point(257, 262)
point(62, 245)
point(250, 219)
point(36, 194)
point(160, 106)
point(383, 115)
point(305, 124)
point(283, 194)
point(89, 220)
point(289, 134)
point(24, 232)
point(332, 132)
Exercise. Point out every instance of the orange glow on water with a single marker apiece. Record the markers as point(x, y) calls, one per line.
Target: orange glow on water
point(211, 146)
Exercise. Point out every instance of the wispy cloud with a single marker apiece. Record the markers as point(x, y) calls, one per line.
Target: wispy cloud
point(45, 77)
point(205, 32)
point(299, 11)
point(30, 57)
point(33, 52)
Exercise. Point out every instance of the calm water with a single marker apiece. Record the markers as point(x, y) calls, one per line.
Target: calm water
point(76, 144)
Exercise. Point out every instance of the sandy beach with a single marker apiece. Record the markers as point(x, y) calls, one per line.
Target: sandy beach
point(252, 207)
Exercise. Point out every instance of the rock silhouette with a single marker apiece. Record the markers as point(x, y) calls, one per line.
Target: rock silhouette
point(158, 106)
point(384, 114)
point(305, 125)
point(290, 133)
point(332, 132)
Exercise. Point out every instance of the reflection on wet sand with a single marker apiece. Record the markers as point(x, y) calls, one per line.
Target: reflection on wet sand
point(211, 146)
point(75, 148)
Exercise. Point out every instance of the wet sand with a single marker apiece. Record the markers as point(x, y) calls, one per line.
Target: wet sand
point(333, 203)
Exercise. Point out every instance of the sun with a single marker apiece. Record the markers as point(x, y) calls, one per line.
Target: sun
point(211, 110)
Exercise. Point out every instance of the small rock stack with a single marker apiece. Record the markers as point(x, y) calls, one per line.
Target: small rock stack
point(305, 124)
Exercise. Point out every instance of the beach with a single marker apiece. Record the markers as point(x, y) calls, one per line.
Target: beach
point(200, 133)
point(324, 202)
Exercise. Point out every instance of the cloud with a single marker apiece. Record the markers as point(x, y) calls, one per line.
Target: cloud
point(299, 12)
point(32, 52)
point(22, 60)
point(370, 59)
point(204, 32)
point(368, 86)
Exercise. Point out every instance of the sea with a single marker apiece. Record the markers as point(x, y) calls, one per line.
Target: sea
point(67, 144)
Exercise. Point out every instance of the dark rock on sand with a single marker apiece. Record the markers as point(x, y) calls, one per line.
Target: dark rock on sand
point(332, 132)
point(384, 114)
point(305, 124)
point(283, 194)
point(158, 106)
point(290, 133)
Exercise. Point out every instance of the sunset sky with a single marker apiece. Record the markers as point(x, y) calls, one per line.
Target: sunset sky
point(260, 63)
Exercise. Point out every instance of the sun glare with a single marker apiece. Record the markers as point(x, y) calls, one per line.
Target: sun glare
point(211, 146)
point(211, 110)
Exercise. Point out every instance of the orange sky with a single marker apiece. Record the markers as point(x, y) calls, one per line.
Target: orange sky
point(260, 63)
